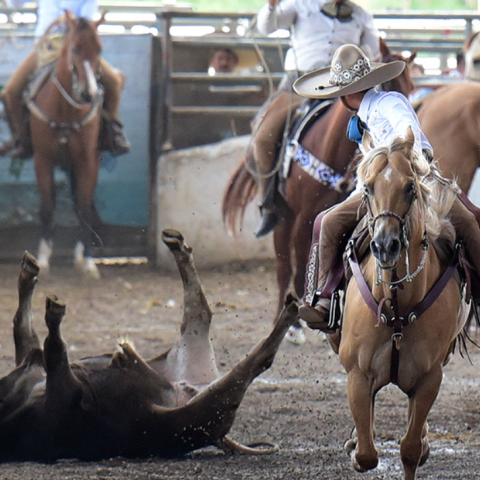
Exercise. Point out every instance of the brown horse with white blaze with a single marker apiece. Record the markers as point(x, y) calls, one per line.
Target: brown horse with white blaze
point(305, 195)
point(65, 125)
point(393, 330)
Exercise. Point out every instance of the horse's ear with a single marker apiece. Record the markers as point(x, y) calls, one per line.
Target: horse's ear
point(384, 50)
point(412, 57)
point(469, 41)
point(69, 16)
point(101, 19)
point(409, 142)
point(367, 141)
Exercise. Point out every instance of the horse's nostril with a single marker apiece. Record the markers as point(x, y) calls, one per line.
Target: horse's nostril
point(394, 248)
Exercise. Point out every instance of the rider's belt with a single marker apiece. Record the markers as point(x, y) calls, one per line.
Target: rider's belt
point(341, 11)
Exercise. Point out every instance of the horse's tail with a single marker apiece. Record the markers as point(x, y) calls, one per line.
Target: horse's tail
point(240, 191)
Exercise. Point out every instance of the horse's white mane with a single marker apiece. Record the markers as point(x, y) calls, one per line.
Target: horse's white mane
point(437, 194)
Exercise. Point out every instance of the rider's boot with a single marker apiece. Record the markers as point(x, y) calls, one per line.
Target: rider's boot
point(269, 211)
point(15, 147)
point(316, 316)
point(116, 139)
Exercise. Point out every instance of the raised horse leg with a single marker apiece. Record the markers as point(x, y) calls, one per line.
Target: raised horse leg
point(192, 358)
point(24, 334)
point(62, 385)
point(46, 190)
point(414, 448)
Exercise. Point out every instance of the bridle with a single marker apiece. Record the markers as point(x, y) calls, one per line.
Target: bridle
point(372, 220)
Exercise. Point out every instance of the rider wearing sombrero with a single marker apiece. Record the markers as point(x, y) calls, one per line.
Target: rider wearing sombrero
point(318, 28)
point(386, 115)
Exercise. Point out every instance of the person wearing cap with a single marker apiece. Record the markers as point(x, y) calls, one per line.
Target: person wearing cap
point(386, 115)
point(318, 28)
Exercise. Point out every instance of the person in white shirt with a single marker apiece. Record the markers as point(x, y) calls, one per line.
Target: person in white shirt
point(49, 12)
point(318, 28)
point(386, 115)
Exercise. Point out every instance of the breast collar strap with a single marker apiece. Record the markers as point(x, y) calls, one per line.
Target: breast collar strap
point(395, 321)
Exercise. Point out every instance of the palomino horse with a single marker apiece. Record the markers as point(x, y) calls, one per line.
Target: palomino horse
point(450, 118)
point(403, 308)
point(306, 196)
point(472, 58)
point(65, 124)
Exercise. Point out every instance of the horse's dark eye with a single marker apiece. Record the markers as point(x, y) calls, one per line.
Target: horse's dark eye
point(411, 189)
point(368, 190)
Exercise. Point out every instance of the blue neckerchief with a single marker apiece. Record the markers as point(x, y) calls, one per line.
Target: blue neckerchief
point(355, 129)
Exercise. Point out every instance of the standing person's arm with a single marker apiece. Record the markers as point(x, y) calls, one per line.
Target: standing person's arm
point(47, 12)
point(370, 35)
point(273, 16)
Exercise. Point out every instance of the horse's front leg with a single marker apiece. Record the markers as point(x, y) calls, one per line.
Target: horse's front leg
point(46, 190)
point(282, 238)
point(414, 447)
point(362, 451)
point(83, 182)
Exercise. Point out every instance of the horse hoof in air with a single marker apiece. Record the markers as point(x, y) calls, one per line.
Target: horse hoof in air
point(296, 335)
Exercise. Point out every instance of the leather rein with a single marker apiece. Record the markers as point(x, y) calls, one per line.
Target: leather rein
point(394, 320)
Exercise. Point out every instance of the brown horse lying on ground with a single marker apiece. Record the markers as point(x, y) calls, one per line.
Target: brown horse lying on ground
point(120, 404)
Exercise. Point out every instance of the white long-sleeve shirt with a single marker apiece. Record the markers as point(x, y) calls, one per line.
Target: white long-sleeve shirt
point(388, 115)
point(315, 37)
point(50, 10)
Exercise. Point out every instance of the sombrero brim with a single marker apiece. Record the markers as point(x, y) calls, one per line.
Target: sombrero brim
point(316, 84)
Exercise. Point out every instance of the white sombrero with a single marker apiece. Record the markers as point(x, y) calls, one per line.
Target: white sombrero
point(351, 72)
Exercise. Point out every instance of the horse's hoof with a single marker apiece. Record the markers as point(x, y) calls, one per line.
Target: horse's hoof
point(296, 335)
point(350, 446)
point(30, 264)
point(89, 268)
point(172, 238)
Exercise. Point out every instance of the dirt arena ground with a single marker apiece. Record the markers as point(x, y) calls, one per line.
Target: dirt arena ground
point(300, 403)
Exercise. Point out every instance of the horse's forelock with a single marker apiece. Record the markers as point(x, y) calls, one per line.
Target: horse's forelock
point(83, 23)
point(370, 164)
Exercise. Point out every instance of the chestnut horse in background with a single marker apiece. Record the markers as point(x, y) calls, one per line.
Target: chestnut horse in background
point(403, 306)
point(472, 57)
point(65, 125)
point(306, 196)
point(450, 118)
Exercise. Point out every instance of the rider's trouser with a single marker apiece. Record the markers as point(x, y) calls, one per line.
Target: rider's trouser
point(338, 224)
point(268, 132)
point(111, 79)
point(12, 94)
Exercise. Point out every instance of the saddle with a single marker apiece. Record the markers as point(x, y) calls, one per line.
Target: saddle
point(41, 76)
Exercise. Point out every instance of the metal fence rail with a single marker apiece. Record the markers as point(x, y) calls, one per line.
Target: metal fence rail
point(183, 91)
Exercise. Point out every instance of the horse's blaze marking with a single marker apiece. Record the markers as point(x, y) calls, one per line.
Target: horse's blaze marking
point(388, 174)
